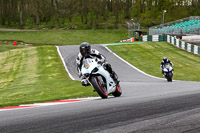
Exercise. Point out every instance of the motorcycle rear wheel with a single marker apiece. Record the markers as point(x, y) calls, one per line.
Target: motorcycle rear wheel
point(102, 91)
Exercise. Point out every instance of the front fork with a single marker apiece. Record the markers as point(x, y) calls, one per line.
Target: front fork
point(166, 74)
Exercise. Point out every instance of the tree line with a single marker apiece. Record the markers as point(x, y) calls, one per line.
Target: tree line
point(93, 13)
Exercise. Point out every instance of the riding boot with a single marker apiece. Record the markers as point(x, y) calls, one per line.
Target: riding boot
point(112, 73)
point(115, 77)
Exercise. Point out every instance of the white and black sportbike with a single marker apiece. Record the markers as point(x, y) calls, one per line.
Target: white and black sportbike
point(168, 72)
point(99, 78)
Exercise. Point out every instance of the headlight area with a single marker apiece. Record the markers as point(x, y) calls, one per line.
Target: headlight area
point(95, 70)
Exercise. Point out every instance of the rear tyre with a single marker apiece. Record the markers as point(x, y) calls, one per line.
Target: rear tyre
point(102, 91)
point(118, 91)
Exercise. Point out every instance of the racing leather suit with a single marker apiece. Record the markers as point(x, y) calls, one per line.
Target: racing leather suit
point(101, 59)
point(163, 63)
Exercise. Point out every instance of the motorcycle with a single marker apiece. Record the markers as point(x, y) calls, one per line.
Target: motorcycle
point(168, 72)
point(99, 78)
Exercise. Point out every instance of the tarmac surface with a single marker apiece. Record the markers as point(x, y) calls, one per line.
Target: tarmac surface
point(147, 105)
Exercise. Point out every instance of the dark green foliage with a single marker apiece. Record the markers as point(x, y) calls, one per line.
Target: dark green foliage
point(92, 14)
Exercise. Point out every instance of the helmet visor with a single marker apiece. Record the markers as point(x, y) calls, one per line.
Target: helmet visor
point(83, 51)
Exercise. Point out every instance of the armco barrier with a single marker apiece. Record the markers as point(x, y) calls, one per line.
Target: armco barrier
point(198, 50)
point(183, 45)
point(149, 38)
point(144, 38)
point(186, 46)
point(189, 47)
point(155, 38)
point(172, 40)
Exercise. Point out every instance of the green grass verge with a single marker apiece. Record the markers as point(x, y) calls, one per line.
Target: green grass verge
point(67, 37)
point(36, 74)
point(147, 57)
point(8, 46)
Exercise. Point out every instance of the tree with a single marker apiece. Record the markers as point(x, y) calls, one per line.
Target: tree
point(94, 12)
point(196, 5)
point(21, 13)
point(3, 10)
point(116, 10)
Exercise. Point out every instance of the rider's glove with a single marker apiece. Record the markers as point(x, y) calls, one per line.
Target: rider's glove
point(79, 74)
point(100, 62)
point(84, 82)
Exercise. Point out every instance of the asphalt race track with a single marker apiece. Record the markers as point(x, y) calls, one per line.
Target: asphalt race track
point(147, 105)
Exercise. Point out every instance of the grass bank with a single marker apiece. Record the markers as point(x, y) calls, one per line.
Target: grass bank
point(36, 74)
point(9, 46)
point(65, 37)
point(147, 57)
point(30, 74)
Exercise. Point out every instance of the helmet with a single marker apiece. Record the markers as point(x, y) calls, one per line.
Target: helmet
point(85, 49)
point(165, 59)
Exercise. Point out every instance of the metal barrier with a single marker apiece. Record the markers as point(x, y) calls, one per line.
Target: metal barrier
point(173, 40)
point(184, 45)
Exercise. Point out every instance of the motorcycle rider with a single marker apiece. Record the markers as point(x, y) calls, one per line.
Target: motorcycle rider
point(164, 62)
point(85, 52)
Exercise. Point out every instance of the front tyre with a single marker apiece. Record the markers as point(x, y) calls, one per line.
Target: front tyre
point(118, 91)
point(102, 91)
point(169, 78)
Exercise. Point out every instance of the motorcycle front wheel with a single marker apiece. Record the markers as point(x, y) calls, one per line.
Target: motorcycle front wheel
point(169, 78)
point(118, 91)
point(101, 90)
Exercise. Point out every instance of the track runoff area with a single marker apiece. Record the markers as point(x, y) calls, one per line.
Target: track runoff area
point(69, 63)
